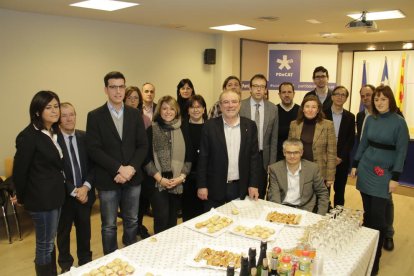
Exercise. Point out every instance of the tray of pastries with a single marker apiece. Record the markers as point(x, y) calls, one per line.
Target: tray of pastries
point(256, 229)
point(286, 216)
point(215, 258)
point(211, 223)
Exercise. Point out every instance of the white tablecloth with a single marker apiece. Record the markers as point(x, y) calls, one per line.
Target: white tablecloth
point(168, 254)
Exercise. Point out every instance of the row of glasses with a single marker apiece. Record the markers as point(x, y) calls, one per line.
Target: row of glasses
point(334, 233)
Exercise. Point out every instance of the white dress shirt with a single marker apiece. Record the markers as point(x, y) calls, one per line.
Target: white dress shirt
point(293, 191)
point(233, 138)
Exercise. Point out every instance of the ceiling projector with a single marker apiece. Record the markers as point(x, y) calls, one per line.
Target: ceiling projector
point(362, 24)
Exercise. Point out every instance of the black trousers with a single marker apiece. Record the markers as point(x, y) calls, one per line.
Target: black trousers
point(375, 218)
point(192, 206)
point(341, 177)
point(232, 192)
point(74, 212)
point(164, 208)
point(144, 198)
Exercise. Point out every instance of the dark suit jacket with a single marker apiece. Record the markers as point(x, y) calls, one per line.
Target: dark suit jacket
point(328, 101)
point(346, 136)
point(270, 129)
point(359, 122)
point(85, 164)
point(312, 188)
point(108, 151)
point(213, 160)
point(38, 171)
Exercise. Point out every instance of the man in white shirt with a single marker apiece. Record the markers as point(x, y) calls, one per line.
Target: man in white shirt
point(296, 182)
point(229, 162)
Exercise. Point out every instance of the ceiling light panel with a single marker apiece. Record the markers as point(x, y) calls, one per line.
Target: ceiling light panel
point(233, 28)
point(394, 14)
point(105, 5)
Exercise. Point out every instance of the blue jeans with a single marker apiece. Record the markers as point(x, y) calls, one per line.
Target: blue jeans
point(46, 224)
point(127, 197)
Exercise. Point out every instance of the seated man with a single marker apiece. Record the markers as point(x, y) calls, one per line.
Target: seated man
point(297, 182)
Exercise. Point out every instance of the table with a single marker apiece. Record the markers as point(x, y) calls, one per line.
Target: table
point(167, 255)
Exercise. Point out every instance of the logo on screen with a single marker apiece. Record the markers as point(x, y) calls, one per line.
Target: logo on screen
point(284, 66)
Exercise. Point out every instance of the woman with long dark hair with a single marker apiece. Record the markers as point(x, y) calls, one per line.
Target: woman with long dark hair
point(379, 161)
point(318, 137)
point(38, 176)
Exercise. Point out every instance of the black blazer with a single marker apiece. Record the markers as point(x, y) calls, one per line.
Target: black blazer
point(359, 122)
point(213, 159)
point(328, 101)
point(346, 135)
point(38, 171)
point(85, 164)
point(108, 151)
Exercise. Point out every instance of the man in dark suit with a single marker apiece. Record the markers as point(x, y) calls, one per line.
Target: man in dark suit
point(297, 182)
point(344, 124)
point(229, 162)
point(265, 115)
point(321, 79)
point(80, 194)
point(147, 107)
point(117, 143)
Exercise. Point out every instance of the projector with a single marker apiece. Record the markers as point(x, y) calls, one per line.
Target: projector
point(365, 24)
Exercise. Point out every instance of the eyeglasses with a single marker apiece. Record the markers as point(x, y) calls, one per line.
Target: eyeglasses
point(291, 152)
point(116, 87)
point(340, 95)
point(256, 86)
point(132, 98)
point(320, 77)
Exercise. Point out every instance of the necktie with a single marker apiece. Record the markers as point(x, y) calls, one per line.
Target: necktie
point(77, 178)
point(257, 117)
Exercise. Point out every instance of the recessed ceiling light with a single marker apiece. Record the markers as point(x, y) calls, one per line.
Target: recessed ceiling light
point(379, 15)
point(371, 48)
point(233, 28)
point(105, 5)
point(407, 45)
point(313, 21)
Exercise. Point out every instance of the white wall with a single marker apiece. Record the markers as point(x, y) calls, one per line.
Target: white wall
point(71, 56)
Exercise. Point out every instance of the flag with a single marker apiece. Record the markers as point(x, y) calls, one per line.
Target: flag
point(399, 95)
point(364, 82)
point(384, 78)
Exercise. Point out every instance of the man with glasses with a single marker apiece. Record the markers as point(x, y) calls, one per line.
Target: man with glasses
point(344, 124)
point(296, 182)
point(117, 143)
point(321, 80)
point(265, 115)
point(229, 162)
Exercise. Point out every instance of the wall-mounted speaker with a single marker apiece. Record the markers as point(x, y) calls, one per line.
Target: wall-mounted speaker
point(210, 56)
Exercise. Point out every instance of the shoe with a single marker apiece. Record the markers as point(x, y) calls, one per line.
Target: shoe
point(389, 244)
point(143, 232)
point(43, 270)
point(64, 270)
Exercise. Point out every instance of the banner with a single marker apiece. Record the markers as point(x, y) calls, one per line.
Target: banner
point(399, 95)
point(364, 81)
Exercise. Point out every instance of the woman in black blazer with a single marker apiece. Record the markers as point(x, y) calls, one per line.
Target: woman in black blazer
point(38, 176)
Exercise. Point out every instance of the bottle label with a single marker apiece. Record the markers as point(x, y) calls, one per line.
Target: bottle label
point(304, 266)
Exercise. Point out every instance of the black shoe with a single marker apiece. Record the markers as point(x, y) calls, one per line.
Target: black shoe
point(389, 244)
point(143, 232)
point(64, 270)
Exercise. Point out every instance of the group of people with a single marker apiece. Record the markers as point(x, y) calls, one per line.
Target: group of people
point(172, 155)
